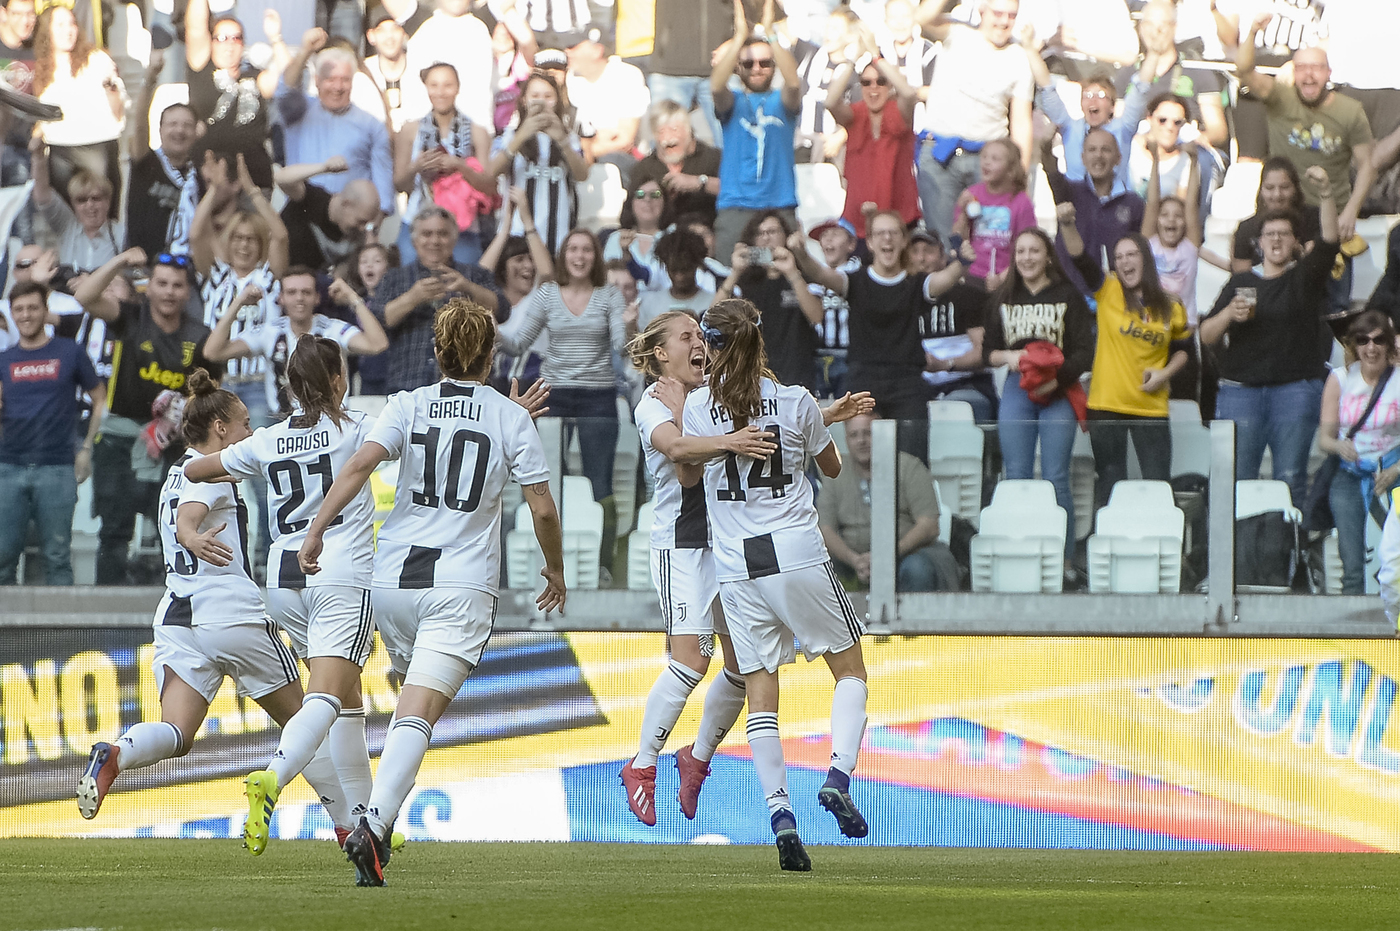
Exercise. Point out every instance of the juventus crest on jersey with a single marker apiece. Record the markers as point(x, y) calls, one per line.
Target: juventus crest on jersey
point(678, 514)
point(201, 593)
point(763, 511)
point(457, 443)
point(299, 462)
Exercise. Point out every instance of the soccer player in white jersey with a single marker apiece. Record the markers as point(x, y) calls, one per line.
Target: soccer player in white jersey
point(327, 615)
point(437, 569)
point(776, 580)
point(210, 623)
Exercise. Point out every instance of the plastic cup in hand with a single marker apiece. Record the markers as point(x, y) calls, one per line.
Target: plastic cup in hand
point(1249, 296)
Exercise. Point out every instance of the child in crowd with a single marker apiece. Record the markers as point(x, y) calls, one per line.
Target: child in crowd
point(993, 212)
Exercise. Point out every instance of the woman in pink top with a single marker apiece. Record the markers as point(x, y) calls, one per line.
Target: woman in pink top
point(879, 140)
point(993, 212)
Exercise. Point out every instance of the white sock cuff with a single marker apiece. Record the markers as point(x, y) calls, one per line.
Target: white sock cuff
point(762, 724)
point(179, 737)
point(321, 696)
point(852, 683)
point(736, 680)
point(689, 677)
point(352, 712)
point(418, 724)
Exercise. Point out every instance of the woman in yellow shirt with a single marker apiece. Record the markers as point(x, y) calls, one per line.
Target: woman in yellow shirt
point(1143, 341)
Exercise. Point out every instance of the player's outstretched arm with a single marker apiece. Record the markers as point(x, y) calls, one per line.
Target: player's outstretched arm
point(749, 441)
point(204, 546)
point(534, 398)
point(829, 461)
point(208, 469)
point(848, 406)
point(343, 490)
point(550, 534)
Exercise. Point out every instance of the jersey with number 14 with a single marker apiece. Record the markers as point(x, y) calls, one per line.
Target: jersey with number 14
point(763, 514)
point(457, 443)
point(299, 464)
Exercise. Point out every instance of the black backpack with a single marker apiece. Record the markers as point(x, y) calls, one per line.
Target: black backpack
point(1268, 550)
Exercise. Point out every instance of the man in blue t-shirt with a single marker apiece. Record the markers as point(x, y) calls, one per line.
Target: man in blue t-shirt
point(756, 170)
point(42, 379)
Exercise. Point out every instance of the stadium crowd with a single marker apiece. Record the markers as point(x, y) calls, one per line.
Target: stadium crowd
point(344, 172)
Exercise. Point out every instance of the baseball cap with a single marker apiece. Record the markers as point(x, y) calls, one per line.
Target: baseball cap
point(834, 223)
point(922, 233)
point(551, 58)
point(377, 16)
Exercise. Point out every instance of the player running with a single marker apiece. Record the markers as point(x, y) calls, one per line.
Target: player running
point(775, 576)
point(328, 615)
point(210, 623)
point(436, 571)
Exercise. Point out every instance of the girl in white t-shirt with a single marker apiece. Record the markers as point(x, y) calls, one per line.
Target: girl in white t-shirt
point(1172, 226)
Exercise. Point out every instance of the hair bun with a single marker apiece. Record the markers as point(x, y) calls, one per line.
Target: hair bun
point(200, 383)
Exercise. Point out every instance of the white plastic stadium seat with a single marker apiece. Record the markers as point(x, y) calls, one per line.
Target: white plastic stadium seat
point(945, 516)
point(955, 456)
point(1259, 496)
point(600, 197)
point(1367, 269)
point(639, 551)
point(371, 404)
point(820, 193)
point(1137, 544)
point(524, 559)
point(1021, 545)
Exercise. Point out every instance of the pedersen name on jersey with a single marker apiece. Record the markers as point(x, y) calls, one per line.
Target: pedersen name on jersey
point(305, 443)
point(454, 409)
point(767, 407)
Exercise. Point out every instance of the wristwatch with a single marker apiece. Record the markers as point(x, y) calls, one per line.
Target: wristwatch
point(704, 180)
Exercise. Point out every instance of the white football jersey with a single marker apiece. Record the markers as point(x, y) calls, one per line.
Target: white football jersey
point(763, 511)
point(204, 595)
point(678, 514)
point(458, 444)
point(299, 464)
point(275, 342)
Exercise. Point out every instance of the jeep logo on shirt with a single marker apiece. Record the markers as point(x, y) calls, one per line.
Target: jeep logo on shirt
point(47, 370)
point(162, 377)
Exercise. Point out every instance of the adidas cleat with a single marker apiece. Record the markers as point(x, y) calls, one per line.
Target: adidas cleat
point(792, 856)
point(368, 854)
point(692, 773)
point(843, 809)
point(97, 779)
point(262, 794)
point(641, 792)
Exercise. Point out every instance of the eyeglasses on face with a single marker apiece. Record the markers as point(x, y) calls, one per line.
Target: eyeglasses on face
point(229, 37)
point(89, 199)
point(878, 82)
point(750, 64)
point(1377, 338)
point(1095, 95)
point(647, 195)
point(1277, 234)
point(1167, 120)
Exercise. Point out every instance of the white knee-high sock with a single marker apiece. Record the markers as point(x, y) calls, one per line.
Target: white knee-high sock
point(146, 743)
point(304, 733)
point(847, 723)
point(351, 756)
point(398, 768)
point(320, 773)
point(723, 702)
point(767, 750)
point(665, 703)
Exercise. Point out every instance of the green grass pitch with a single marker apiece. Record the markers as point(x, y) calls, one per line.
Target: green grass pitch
point(170, 884)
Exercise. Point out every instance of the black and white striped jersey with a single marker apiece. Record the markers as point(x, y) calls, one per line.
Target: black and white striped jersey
point(457, 443)
point(678, 514)
point(549, 188)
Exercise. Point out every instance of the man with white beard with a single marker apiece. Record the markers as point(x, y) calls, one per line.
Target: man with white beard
point(686, 167)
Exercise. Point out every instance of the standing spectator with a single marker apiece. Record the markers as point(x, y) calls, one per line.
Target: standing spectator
point(17, 61)
point(394, 76)
point(323, 228)
point(1369, 450)
point(1106, 210)
point(438, 160)
point(410, 14)
point(611, 96)
point(82, 81)
point(514, 47)
point(158, 175)
point(879, 142)
point(684, 35)
point(157, 346)
point(907, 49)
point(766, 275)
point(84, 234)
point(1200, 88)
point(1177, 147)
point(552, 21)
point(330, 125)
point(1097, 99)
point(982, 90)
point(1037, 304)
point(1173, 228)
point(544, 159)
point(837, 239)
point(1280, 189)
point(40, 380)
point(230, 96)
point(1295, 25)
point(364, 269)
point(819, 138)
point(951, 334)
point(519, 264)
point(758, 125)
point(1271, 368)
point(843, 514)
point(1142, 343)
point(408, 297)
point(645, 216)
point(687, 168)
point(992, 212)
point(452, 34)
point(583, 315)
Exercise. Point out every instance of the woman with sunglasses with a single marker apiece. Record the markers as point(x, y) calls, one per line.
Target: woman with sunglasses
point(231, 98)
point(646, 214)
point(879, 138)
point(1368, 448)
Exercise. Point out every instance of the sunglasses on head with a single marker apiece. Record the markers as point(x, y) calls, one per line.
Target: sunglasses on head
point(647, 195)
point(89, 198)
point(751, 63)
point(880, 81)
point(1379, 339)
point(182, 262)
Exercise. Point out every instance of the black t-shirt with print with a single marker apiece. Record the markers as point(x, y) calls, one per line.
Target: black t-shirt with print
point(788, 335)
point(154, 197)
point(147, 360)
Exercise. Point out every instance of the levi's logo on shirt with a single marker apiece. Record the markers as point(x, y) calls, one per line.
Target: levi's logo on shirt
point(45, 370)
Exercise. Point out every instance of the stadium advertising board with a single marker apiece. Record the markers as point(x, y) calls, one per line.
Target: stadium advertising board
point(1000, 742)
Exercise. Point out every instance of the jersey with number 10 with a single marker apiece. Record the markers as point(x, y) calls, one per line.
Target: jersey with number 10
point(457, 443)
point(299, 464)
point(763, 515)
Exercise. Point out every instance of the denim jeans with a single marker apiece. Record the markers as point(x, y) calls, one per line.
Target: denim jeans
point(940, 185)
point(1349, 514)
point(1108, 433)
point(117, 497)
point(593, 412)
point(831, 374)
point(47, 495)
point(929, 569)
point(688, 91)
point(1022, 423)
point(1281, 417)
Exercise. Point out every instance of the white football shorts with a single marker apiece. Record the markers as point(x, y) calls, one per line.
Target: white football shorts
point(253, 654)
point(765, 615)
point(325, 620)
point(685, 582)
point(451, 622)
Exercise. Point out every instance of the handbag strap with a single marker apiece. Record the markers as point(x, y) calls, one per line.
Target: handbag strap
point(1371, 404)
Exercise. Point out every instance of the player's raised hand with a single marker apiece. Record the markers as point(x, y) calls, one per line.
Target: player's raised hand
point(751, 441)
point(207, 547)
point(848, 406)
point(533, 399)
point(552, 598)
point(670, 392)
point(310, 553)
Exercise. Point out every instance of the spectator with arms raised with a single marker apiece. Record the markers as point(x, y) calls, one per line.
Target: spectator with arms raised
point(231, 98)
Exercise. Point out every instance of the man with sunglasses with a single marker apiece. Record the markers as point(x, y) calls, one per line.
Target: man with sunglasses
point(757, 172)
point(156, 346)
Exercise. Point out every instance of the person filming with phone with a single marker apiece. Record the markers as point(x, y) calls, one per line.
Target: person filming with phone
point(1271, 342)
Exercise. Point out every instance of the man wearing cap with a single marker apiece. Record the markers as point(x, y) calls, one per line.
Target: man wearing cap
point(951, 331)
point(757, 172)
point(454, 35)
point(388, 76)
point(611, 97)
point(837, 237)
